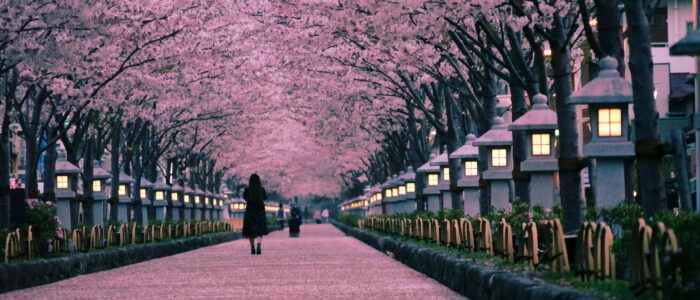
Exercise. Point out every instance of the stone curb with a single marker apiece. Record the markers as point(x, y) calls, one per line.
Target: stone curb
point(27, 274)
point(473, 280)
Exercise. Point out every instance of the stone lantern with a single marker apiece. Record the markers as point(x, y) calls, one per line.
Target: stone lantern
point(408, 190)
point(146, 196)
point(175, 209)
point(66, 188)
point(188, 203)
point(496, 144)
point(539, 125)
point(375, 205)
point(99, 192)
point(217, 207)
point(442, 161)
point(238, 208)
point(121, 209)
point(468, 176)
point(161, 196)
point(432, 179)
point(198, 205)
point(391, 195)
point(209, 207)
point(608, 98)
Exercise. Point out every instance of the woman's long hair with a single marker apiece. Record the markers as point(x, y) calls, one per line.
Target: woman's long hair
point(255, 189)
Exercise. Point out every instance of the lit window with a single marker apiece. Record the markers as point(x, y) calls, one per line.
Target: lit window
point(402, 190)
point(395, 192)
point(411, 187)
point(122, 190)
point(445, 173)
point(499, 158)
point(196, 199)
point(471, 168)
point(97, 185)
point(206, 200)
point(540, 144)
point(387, 193)
point(62, 182)
point(187, 198)
point(379, 197)
point(610, 122)
point(159, 195)
point(432, 179)
point(173, 196)
point(142, 194)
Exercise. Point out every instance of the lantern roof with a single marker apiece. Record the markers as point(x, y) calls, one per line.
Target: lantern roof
point(389, 183)
point(98, 172)
point(65, 167)
point(199, 192)
point(607, 88)
point(177, 188)
point(497, 136)
point(145, 183)
point(468, 150)
point(428, 167)
point(188, 190)
point(689, 45)
point(409, 175)
point(539, 117)
point(123, 178)
point(441, 160)
point(161, 185)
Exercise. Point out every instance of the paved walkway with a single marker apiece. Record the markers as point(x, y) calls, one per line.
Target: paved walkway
point(322, 264)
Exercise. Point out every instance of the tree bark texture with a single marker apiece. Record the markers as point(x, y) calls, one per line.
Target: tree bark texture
point(648, 144)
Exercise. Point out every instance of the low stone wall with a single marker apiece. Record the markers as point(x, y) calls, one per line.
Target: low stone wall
point(470, 279)
point(32, 273)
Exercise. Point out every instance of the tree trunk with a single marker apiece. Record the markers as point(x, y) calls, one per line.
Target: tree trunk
point(570, 163)
point(682, 177)
point(610, 31)
point(648, 144)
point(88, 197)
point(8, 93)
point(115, 141)
point(521, 180)
point(50, 173)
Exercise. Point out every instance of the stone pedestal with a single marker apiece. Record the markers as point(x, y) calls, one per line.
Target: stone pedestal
point(187, 209)
point(470, 196)
point(434, 202)
point(145, 208)
point(500, 193)
point(159, 208)
point(446, 199)
point(542, 189)
point(63, 213)
point(123, 210)
point(197, 213)
point(98, 211)
point(608, 182)
point(175, 213)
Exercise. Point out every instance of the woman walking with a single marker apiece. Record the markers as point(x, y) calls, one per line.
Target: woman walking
point(254, 220)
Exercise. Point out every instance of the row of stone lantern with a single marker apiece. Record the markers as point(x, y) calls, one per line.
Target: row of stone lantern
point(159, 201)
point(487, 161)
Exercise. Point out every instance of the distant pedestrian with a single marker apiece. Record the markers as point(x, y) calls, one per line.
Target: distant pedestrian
point(254, 220)
point(317, 216)
point(295, 222)
point(280, 217)
point(325, 215)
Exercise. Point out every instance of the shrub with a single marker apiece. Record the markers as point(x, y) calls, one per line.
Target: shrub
point(349, 219)
point(45, 224)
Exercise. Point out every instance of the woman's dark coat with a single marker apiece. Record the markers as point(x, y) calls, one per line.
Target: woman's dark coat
point(254, 220)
